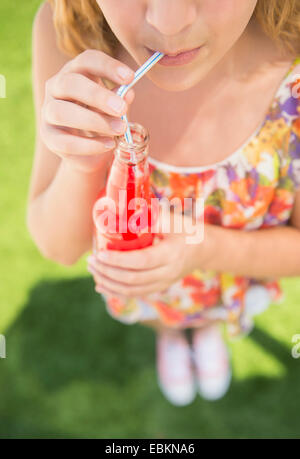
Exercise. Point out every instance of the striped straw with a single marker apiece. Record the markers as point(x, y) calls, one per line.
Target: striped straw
point(138, 75)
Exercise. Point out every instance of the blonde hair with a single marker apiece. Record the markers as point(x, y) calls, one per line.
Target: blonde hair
point(81, 25)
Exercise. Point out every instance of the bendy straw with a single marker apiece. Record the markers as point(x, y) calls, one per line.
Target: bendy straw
point(138, 75)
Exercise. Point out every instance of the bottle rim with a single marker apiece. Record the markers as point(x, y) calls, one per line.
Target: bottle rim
point(140, 136)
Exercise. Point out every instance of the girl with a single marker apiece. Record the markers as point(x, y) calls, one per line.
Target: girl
point(225, 126)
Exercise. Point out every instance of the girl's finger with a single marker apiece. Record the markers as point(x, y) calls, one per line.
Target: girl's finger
point(70, 115)
point(105, 291)
point(131, 277)
point(64, 143)
point(100, 64)
point(155, 256)
point(129, 96)
point(129, 290)
point(79, 88)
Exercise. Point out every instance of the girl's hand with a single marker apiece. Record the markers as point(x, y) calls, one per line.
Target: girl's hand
point(152, 269)
point(80, 116)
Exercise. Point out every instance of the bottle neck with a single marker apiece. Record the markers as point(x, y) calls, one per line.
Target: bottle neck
point(137, 151)
point(129, 157)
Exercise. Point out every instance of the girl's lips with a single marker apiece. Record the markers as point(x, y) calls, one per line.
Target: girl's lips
point(180, 59)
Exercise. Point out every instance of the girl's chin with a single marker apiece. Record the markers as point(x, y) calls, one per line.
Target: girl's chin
point(177, 83)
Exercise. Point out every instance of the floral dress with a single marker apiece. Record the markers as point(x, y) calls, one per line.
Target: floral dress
point(253, 188)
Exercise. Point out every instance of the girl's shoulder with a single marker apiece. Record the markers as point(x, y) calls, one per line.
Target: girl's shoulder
point(48, 59)
point(44, 19)
point(46, 51)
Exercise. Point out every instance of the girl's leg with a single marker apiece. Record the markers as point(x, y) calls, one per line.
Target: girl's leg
point(208, 352)
point(212, 362)
point(173, 363)
point(158, 326)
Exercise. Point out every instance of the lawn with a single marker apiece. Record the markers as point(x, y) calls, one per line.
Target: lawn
point(72, 371)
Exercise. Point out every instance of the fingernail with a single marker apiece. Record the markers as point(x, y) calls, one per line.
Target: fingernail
point(110, 144)
point(116, 103)
point(118, 126)
point(124, 72)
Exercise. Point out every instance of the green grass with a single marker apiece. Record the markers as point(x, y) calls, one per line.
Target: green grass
point(71, 370)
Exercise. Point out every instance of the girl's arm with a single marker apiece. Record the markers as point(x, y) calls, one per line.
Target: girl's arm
point(61, 197)
point(61, 229)
point(272, 252)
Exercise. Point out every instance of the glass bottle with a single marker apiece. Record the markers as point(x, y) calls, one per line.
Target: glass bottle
point(126, 211)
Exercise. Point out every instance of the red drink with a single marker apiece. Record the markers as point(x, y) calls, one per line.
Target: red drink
point(126, 210)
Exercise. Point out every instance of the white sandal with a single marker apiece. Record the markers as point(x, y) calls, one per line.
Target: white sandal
point(174, 368)
point(212, 362)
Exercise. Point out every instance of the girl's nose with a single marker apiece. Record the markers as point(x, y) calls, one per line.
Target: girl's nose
point(170, 17)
